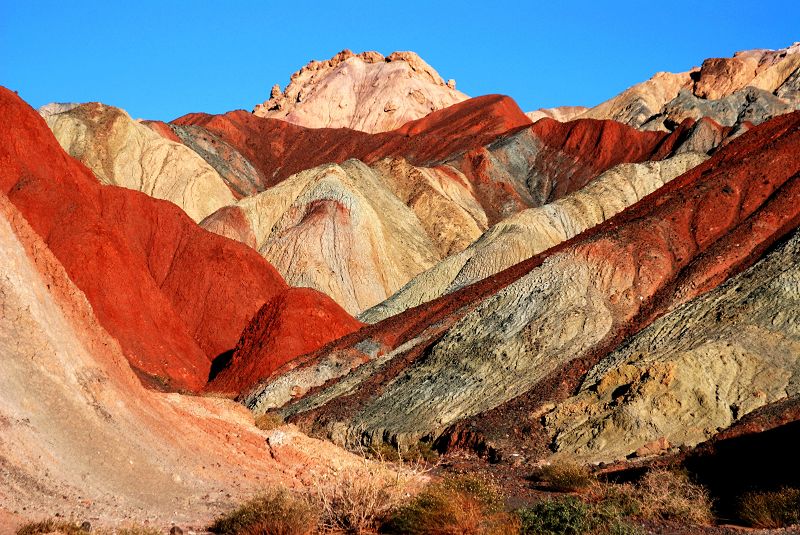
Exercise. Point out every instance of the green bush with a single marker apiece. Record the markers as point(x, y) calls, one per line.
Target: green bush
point(268, 421)
point(775, 509)
point(565, 515)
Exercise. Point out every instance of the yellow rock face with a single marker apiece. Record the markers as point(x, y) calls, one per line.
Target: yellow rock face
point(123, 152)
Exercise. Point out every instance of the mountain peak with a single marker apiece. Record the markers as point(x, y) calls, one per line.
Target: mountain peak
point(365, 91)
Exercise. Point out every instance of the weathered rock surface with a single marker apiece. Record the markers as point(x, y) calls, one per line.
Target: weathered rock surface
point(81, 438)
point(237, 171)
point(754, 85)
point(637, 104)
point(174, 295)
point(534, 230)
point(56, 107)
point(126, 153)
point(550, 159)
point(505, 339)
point(366, 92)
point(277, 149)
point(338, 229)
point(751, 105)
point(693, 371)
point(561, 113)
point(348, 231)
point(441, 197)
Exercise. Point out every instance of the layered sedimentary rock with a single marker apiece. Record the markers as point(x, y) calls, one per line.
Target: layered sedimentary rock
point(126, 153)
point(507, 339)
point(754, 85)
point(173, 294)
point(359, 234)
point(441, 197)
point(336, 228)
point(82, 438)
point(694, 370)
point(550, 159)
point(367, 92)
point(561, 113)
point(751, 105)
point(637, 104)
point(534, 230)
point(278, 149)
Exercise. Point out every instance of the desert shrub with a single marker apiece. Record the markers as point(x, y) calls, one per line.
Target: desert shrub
point(564, 515)
point(622, 499)
point(268, 421)
point(357, 502)
point(463, 505)
point(669, 495)
point(774, 509)
point(52, 525)
point(572, 516)
point(566, 476)
point(274, 513)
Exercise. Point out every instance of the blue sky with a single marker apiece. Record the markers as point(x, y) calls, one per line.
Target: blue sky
point(161, 59)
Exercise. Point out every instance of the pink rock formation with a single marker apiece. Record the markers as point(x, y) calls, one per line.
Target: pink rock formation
point(364, 92)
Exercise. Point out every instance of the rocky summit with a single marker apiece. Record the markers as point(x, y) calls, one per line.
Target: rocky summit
point(367, 92)
point(371, 285)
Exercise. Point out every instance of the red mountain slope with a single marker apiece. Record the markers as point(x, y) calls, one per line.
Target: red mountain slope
point(278, 149)
point(173, 294)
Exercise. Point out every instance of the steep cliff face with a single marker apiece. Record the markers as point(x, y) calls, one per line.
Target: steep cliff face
point(123, 152)
point(366, 92)
point(173, 294)
point(503, 339)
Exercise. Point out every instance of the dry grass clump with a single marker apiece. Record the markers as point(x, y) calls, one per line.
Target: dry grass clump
point(358, 501)
point(268, 421)
point(52, 525)
point(774, 509)
point(565, 476)
point(68, 527)
point(274, 513)
point(668, 495)
point(461, 505)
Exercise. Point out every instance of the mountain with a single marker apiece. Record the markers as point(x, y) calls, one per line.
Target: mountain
point(366, 92)
point(535, 230)
point(174, 295)
point(123, 152)
point(83, 438)
point(752, 86)
point(678, 385)
point(514, 339)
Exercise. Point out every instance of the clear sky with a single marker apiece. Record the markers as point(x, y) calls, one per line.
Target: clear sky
point(161, 59)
